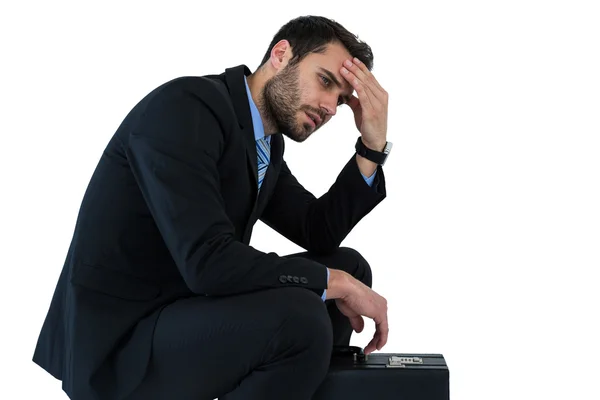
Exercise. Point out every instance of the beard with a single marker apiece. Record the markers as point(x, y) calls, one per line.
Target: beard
point(280, 102)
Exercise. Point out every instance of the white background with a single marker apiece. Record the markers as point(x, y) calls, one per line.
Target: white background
point(488, 244)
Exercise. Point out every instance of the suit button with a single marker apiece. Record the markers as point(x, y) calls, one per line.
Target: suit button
point(303, 280)
point(296, 279)
point(283, 279)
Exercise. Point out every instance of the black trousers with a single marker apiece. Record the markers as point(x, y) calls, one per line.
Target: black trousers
point(270, 344)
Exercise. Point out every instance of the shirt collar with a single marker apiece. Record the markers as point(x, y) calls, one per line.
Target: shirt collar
point(259, 129)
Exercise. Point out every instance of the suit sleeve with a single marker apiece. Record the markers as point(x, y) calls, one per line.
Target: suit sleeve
point(173, 151)
point(319, 225)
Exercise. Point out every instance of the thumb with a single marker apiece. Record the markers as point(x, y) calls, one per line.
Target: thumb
point(357, 323)
point(354, 103)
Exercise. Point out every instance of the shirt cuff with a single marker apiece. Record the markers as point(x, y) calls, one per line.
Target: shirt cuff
point(370, 179)
point(325, 291)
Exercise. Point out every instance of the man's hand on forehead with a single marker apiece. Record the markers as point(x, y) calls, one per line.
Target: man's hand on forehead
point(370, 107)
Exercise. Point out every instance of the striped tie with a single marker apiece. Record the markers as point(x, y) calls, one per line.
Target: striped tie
point(263, 152)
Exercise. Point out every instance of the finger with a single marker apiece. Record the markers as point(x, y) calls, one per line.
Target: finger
point(372, 345)
point(361, 89)
point(383, 331)
point(358, 78)
point(367, 73)
point(361, 71)
point(357, 71)
point(364, 89)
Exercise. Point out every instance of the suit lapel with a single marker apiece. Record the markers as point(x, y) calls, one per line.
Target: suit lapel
point(237, 89)
point(234, 78)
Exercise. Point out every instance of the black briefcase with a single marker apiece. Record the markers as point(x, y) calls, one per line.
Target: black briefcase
point(353, 375)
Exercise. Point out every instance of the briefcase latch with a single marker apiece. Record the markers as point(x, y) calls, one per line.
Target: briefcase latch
point(401, 362)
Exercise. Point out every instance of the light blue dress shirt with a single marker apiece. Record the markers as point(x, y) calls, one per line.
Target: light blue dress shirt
point(259, 133)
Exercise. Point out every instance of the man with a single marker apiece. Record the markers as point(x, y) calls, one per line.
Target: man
point(161, 296)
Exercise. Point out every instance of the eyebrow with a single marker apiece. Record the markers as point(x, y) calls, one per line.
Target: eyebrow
point(335, 80)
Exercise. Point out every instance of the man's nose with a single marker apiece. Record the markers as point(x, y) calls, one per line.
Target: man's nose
point(329, 107)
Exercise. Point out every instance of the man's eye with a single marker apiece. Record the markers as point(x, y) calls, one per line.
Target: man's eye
point(326, 82)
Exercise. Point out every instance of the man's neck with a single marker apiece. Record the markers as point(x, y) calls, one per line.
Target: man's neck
point(256, 83)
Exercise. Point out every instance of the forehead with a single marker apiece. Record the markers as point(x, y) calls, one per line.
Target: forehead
point(334, 53)
point(331, 59)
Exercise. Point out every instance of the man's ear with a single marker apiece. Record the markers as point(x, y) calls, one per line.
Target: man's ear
point(281, 53)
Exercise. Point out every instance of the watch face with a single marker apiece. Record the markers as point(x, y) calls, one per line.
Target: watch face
point(388, 148)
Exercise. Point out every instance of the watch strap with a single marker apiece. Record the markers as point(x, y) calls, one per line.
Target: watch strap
point(377, 157)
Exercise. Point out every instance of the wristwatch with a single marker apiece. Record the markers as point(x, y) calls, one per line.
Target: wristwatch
point(377, 157)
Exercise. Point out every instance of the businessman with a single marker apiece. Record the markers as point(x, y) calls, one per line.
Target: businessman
point(161, 296)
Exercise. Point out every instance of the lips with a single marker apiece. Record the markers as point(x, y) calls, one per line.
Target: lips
point(314, 118)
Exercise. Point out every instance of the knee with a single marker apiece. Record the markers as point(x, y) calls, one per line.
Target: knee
point(305, 324)
point(355, 264)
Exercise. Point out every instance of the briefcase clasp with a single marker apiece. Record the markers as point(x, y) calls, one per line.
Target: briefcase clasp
point(401, 362)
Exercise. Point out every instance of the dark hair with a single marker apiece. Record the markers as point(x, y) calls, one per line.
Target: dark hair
point(312, 34)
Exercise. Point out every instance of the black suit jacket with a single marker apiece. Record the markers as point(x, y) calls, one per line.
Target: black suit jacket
point(168, 213)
